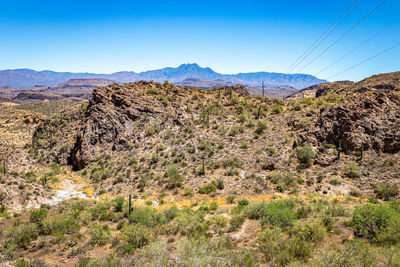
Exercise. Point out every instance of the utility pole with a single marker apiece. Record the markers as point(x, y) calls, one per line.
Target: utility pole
point(263, 87)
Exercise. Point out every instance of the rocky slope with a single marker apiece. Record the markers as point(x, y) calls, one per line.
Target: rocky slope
point(128, 135)
point(366, 117)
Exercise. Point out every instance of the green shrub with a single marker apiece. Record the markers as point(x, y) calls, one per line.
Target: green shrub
point(99, 234)
point(284, 180)
point(283, 251)
point(313, 231)
point(208, 188)
point(146, 216)
point(220, 184)
point(305, 154)
point(387, 191)
point(220, 221)
point(230, 199)
point(351, 170)
point(235, 130)
point(203, 252)
point(236, 222)
point(354, 253)
point(155, 254)
point(277, 109)
point(118, 203)
point(38, 215)
point(213, 206)
point(175, 179)
point(110, 260)
point(60, 225)
point(261, 127)
point(280, 214)
point(369, 221)
point(191, 223)
point(136, 235)
point(20, 235)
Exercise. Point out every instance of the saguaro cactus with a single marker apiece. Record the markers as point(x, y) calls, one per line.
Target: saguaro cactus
point(130, 204)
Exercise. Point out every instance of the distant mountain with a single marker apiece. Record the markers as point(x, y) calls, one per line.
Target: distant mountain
point(28, 78)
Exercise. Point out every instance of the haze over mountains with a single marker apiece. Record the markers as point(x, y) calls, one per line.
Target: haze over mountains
point(20, 78)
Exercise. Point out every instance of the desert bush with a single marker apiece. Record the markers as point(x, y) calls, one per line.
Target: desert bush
point(351, 170)
point(230, 199)
point(387, 191)
point(282, 251)
point(146, 216)
point(155, 254)
point(174, 178)
point(22, 262)
point(312, 231)
point(38, 215)
point(369, 221)
point(220, 221)
point(305, 154)
point(188, 191)
point(191, 223)
point(208, 188)
point(235, 130)
point(280, 214)
point(213, 206)
point(136, 235)
point(261, 127)
point(335, 210)
point(118, 203)
point(219, 184)
point(21, 235)
point(284, 180)
point(303, 212)
point(236, 222)
point(99, 234)
point(203, 252)
point(277, 108)
point(110, 260)
point(354, 253)
point(60, 225)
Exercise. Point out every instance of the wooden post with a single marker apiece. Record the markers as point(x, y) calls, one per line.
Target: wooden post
point(263, 88)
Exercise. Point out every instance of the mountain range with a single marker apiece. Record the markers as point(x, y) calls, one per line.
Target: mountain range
point(20, 78)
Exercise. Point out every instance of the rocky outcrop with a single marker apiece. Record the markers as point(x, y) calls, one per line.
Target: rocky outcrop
point(117, 116)
point(366, 118)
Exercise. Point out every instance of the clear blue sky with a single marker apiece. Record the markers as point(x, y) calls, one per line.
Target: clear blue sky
point(228, 36)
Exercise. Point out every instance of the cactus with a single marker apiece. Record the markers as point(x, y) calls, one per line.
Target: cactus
point(339, 149)
point(130, 204)
point(258, 113)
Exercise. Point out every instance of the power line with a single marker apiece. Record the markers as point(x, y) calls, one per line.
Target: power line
point(325, 35)
point(368, 59)
point(343, 35)
point(361, 45)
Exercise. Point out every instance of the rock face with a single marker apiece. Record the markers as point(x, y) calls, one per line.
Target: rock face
point(116, 118)
point(366, 117)
point(238, 88)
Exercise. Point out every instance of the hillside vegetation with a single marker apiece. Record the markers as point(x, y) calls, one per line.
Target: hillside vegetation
point(193, 177)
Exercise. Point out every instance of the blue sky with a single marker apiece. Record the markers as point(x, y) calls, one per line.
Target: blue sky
point(228, 36)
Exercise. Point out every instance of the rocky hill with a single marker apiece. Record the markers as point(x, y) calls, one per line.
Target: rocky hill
point(223, 133)
point(153, 174)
